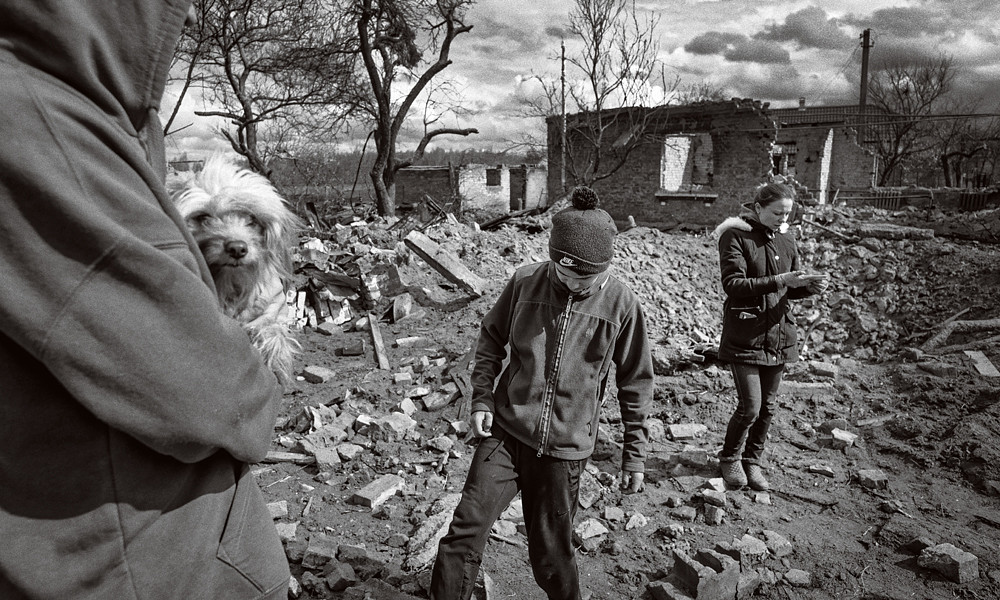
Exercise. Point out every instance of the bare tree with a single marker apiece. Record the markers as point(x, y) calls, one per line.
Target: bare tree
point(393, 36)
point(908, 95)
point(274, 70)
point(617, 66)
point(184, 66)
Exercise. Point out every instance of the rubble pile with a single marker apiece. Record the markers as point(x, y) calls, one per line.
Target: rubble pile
point(891, 284)
point(373, 444)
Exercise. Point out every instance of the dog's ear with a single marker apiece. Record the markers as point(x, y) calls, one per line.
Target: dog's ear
point(280, 235)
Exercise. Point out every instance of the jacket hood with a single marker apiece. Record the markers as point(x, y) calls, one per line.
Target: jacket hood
point(747, 221)
point(116, 53)
point(731, 223)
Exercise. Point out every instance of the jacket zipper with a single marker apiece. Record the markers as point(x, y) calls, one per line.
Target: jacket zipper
point(548, 399)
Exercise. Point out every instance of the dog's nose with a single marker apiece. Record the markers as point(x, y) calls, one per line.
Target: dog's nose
point(236, 249)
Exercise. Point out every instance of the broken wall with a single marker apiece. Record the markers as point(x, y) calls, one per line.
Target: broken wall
point(828, 159)
point(728, 155)
point(413, 182)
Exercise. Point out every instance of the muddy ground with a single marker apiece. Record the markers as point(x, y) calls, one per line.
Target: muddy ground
point(930, 422)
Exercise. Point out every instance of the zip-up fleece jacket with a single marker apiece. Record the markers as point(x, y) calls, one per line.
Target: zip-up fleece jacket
point(561, 348)
point(757, 327)
point(129, 405)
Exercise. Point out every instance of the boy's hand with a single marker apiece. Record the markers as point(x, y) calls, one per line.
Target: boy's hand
point(482, 422)
point(632, 482)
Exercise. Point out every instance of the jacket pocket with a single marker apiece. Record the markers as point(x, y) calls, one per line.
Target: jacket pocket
point(746, 323)
point(250, 543)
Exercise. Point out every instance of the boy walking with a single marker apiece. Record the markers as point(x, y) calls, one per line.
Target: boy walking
point(563, 324)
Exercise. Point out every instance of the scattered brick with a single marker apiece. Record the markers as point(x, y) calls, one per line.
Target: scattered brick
point(278, 509)
point(777, 543)
point(873, 478)
point(798, 578)
point(714, 515)
point(686, 431)
point(955, 564)
point(378, 491)
point(317, 374)
point(339, 576)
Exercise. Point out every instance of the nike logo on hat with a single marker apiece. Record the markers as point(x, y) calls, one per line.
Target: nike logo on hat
point(567, 262)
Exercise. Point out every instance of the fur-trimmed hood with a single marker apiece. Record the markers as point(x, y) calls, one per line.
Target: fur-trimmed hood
point(731, 223)
point(746, 221)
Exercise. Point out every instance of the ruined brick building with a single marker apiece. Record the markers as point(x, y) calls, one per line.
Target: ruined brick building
point(697, 163)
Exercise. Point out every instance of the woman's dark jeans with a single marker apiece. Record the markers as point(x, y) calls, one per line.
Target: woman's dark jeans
point(549, 487)
point(756, 390)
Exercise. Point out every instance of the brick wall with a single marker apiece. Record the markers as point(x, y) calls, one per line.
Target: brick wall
point(413, 182)
point(730, 143)
point(477, 195)
point(850, 166)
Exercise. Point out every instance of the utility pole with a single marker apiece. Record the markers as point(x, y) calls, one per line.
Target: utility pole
point(866, 44)
point(562, 79)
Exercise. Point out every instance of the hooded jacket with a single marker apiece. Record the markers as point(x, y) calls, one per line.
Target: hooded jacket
point(757, 327)
point(129, 405)
point(561, 348)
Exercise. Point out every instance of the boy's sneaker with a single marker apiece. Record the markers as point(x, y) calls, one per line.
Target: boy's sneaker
point(756, 479)
point(733, 474)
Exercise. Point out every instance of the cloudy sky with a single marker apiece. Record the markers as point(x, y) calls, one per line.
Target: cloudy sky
point(775, 51)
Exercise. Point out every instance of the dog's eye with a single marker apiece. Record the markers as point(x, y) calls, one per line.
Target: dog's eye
point(254, 222)
point(199, 218)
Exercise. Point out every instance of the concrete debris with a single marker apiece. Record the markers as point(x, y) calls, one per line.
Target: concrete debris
point(798, 578)
point(317, 374)
point(686, 431)
point(636, 521)
point(378, 491)
point(873, 478)
point(777, 543)
point(709, 575)
point(955, 564)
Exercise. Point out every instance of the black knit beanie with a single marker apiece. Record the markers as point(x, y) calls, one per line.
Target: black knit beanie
point(583, 235)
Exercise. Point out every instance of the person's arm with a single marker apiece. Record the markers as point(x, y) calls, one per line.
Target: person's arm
point(491, 349)
point(737, 281)
point(634, 377)
point(101, 285)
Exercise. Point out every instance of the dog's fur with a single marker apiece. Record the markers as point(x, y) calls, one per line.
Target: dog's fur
point(245, 230)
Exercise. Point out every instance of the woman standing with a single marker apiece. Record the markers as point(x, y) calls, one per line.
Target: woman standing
point(760, 274)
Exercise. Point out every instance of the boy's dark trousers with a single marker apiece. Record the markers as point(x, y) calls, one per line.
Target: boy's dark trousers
point(549, 486)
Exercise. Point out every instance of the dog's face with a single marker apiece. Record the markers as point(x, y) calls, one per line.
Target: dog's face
point(229, 236)
point(237, 218)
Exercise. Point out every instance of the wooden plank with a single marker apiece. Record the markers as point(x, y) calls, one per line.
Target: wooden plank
point(380, 355)
point(288, 457)
point(444, 263)
point(982, 363)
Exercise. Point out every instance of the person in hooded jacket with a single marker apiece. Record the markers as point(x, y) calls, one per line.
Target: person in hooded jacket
point(543, 360)
point(130, 406)
point(759, 263)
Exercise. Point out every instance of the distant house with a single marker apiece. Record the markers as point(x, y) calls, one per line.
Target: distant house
point(818, 146)
point(695, 163)
point(487, 188)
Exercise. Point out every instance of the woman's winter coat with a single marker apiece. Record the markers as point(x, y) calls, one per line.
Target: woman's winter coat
point(757, 326)
point(129, 405)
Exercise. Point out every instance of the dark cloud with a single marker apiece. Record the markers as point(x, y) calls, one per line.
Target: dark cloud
point(508, 36)
point(781, 82)
point(810, 28)
point(757, 51)
point(905, 22)
point(735, 47)
point(713, 42)
point(557, 31)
